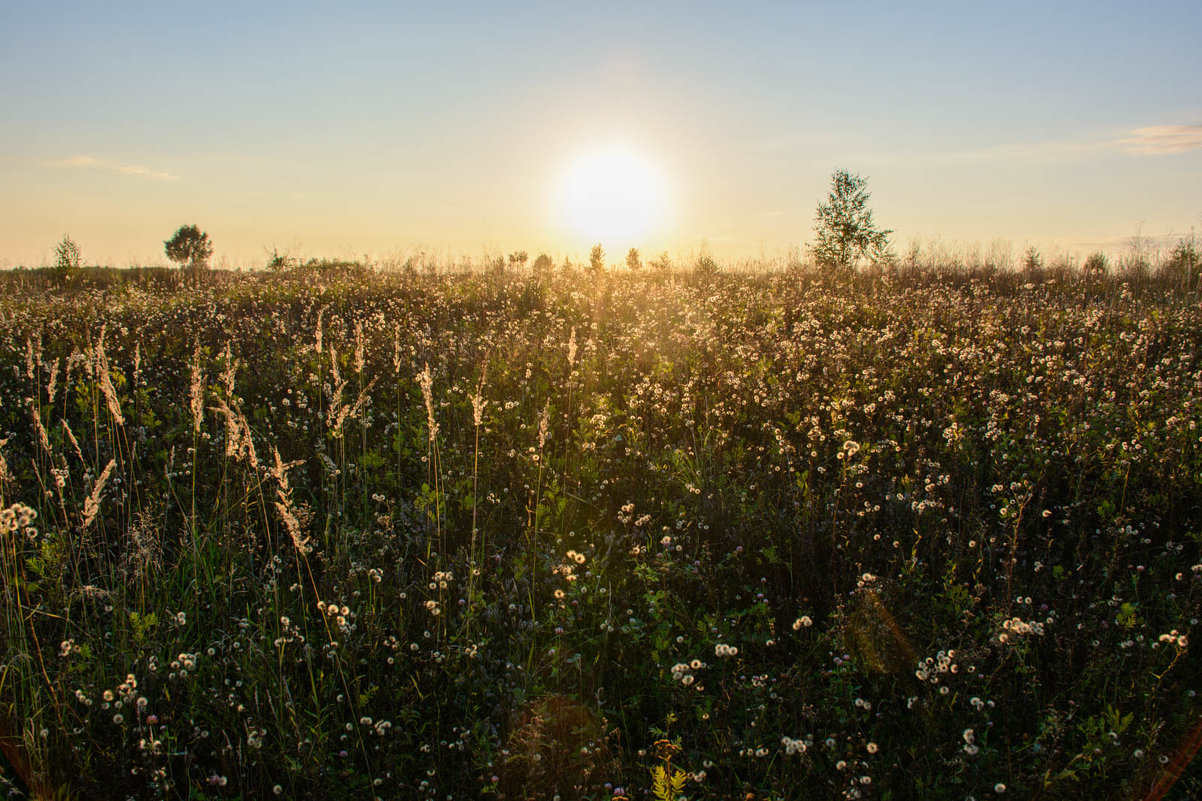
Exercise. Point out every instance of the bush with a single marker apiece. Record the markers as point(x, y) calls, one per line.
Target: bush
point(1182, 265)
point(1096, 265)
point(280, 262)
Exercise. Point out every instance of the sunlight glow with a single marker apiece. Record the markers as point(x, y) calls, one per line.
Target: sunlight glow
point(612, 196)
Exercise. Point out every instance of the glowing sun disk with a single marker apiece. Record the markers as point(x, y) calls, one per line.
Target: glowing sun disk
point(610, 195)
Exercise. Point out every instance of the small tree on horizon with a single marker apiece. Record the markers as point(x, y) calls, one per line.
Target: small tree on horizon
point(596, 258)
point(189, 247)
point(67, 255)
point(843, 226)
point(633, 260)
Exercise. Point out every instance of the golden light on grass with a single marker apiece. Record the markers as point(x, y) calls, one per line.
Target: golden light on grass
point(612, 196)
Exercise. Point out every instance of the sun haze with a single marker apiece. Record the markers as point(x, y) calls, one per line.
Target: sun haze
point(613, 196)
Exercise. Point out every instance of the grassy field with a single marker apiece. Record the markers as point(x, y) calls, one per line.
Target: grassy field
point(338, 534)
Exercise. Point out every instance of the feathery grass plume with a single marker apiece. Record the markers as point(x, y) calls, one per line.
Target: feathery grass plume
point(91, 504)
point(230, 373)
point(339, 384)
point(248, 444)
point(43, 439)
point(137, 362)
point(106, 381)
point(52, 385)
point(233, 432)
point(360, 361)
point(478, 406)
point(289, 513)
point(238, 442)
point(396, 349)
point(196, 392)
point(5, 476)
point(317, 347)
point(572, 349)
point(544, 425)
point(478, 401)
point(33, 357)
point(349, 412)
point(426, 382)
point(74, 442)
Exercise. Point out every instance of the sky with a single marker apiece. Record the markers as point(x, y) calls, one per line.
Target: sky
point(391, 129)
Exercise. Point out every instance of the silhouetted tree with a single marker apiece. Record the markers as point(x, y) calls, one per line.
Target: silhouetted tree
point(1032, 261)
point(844, 228)
point(596, 258)
point(189, 247)
point(67, 255)
point(633, 261)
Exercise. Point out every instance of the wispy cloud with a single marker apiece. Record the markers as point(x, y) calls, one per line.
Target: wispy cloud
point(108, 165)
point(1158, 140)
point(1162, 139)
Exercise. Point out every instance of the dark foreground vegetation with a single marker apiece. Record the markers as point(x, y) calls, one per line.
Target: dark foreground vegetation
point(335, 534)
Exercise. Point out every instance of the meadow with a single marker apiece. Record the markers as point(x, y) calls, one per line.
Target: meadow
point(337, 533)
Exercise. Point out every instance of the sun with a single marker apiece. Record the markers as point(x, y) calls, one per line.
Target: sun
point(612, 196)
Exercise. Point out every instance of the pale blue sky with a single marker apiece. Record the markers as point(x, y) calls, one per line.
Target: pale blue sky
point(393, 127)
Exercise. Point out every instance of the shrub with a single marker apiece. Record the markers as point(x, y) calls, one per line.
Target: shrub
point(1096, 265)
point(280, 262)
point(705, 265)
point(1182, 265)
